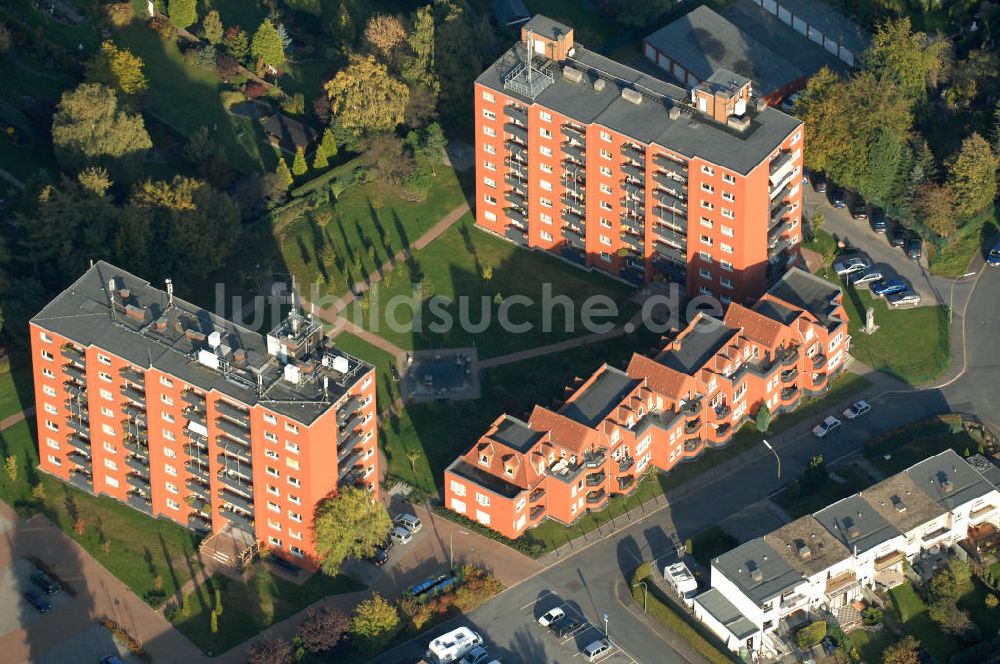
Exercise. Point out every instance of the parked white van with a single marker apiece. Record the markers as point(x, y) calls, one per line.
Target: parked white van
point(451, 646)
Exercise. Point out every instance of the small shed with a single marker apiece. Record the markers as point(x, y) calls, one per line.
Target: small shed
point(288, 134)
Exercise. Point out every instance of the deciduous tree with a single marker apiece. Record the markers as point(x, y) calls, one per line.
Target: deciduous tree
point(934, 205)
point(270, 652)
point(212, 27)
point(910, 59)
point(117, 68)
point(323, 629)
point(972, 174)
point(384, 33)
point(349, 525)
point(419, 68)
point(95, 180)
point(819, 106)
point(182, 13)
point(366, 98)
point(374, 618)
point(266, 45)
point(903, 651)
point(237, 43)
point(89, 129)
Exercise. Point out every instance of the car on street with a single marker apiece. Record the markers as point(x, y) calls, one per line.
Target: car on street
point(40, 603)
point(45, 582)
point(914, 247)
point(551, 617)
point(906, 298)
point(819, 182)
point(826, 427)
point(867, 277)
point(477, 655)
point(401, 535)
point(857, 410)
point(838, 197)
point(596, 650)
point(859, 209)
point(888, 287)
point(877, 218)
point(851, 265)
point(410, 522)
point(993, 258)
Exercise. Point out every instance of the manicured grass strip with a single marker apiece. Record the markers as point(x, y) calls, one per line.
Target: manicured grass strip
point(916, 621)
point(250, 608)
point(15, 389)
point(164, 550)
point(675, 619)
point(915, 442)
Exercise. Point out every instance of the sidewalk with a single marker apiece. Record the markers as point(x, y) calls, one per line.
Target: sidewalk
point(16, 417)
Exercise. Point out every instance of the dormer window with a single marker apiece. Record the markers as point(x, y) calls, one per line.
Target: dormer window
point(509, 470)
point(484, 459)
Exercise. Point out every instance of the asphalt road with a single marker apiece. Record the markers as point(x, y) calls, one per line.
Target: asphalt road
point(591, 580)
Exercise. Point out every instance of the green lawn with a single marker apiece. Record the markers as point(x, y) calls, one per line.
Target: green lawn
point(916, 621)
point(15, 389)
point(388, 389)
point(451, 267)
point(248, 609)
point(187, 98)
point(896, 347)
point(910, 445)
point(70, 37)
point(163, 550)
point(247, 14)
point(871, 645)
point(307, 77)
point(335, 245)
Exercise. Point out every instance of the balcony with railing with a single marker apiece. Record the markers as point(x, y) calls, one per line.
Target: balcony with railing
point(691, 407)
point(625, 464)
point(137, 463)
point(693, 444)
point(596, 479)
point(517, 131)
point(692, 426)
point(82, 480)
point(140, 502)
point(842, 583)
point(596, 497)
point(192, 398)
point(536, 495)
point(515, 234)
point(132, 374)
point(231, 412)
point(237, 520)
point(889, 559)
point(78, 410)
point(625, 482)
point(79, 443)
point(574, 172)
point(670, 236)
point(232, 430)
point(349, 464)
point(352, 476)
point(575, 152)
point(75, 371)
point(670, 165)
point(780, 165)
point(722, 411)
point(199, 488)
point(789, 375)
point(536, 512)
point(781, 187)
point(81, 459)
point(234, 481)
point(818, 361)
point(135, 446)
point(133, 393)
point(634, 153)
point(518, 113)
point(672, 254)
point(75, 390)
point(236, 499)
point(73, 353)
point(792, 603)
point(632, 241)
point(199, 521)
point(635, 174)
point(573, 218)
point(576, 133)
point(78, 425)
point(790, 395)
point(138, 481)
point(516, 197)
point(198, 469)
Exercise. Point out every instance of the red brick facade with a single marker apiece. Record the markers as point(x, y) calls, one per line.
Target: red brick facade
point(692, 395)
point(182, 449)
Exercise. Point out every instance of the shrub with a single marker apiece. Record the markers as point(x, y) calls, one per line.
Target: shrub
point(163, 25)
point(227, 66)
point(120, 13)
point(254, 89)
point(203, 58)
point(811, 634)
point(294, 104)
point(230, 98)
point(992, 601)
point(532, 549)
point(871, 616)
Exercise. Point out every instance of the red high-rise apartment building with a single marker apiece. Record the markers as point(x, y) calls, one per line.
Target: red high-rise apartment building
point(615, 169)
point(153, 401)
point(699, 389)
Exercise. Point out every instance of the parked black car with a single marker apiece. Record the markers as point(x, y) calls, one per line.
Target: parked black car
point(859, 209)
point(819, 181)
point(45, 582)
point(838, 197)
point(914, 247)
point(379, 558)
point(40, 603)
point(897, 236)
point(877, 218)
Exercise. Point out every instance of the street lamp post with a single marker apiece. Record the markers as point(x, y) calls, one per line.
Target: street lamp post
point(451, 548)
point(606, 635)
point(645, 593)
point(775, 453)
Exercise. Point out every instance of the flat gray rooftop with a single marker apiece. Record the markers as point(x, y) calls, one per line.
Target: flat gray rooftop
point(693, 134)
point(806, 291)
point(986, 468)
point(856, 524)
point(720, 608)
point(830, 21)
point(516, 434)
point(949, 480)
point(497, 485)
point(148, 330)
point(759, 571)
point(600, 397)
point(703, 42)
point(699, 345)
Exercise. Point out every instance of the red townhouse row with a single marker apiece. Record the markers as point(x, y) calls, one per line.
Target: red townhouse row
point(183, 415)
point(697, 390)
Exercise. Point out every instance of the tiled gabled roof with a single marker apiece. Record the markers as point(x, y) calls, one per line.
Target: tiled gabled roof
point(566, 433)
point(660, 378)
point(754, 325)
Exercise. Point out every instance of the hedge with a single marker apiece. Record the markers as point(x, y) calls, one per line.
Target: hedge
point(532, 550)
point(662, 608)
point(343, 174)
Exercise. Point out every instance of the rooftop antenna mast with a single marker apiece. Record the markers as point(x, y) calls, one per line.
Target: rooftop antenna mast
point(170, 291)
point(111, 299)
point(530, 42)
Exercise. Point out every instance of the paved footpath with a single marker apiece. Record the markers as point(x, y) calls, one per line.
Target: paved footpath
point(16, 417)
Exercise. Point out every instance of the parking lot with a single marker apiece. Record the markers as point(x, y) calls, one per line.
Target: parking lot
point(15, 612)
point(566, 639)
point(90, 645)
point(889, 260)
